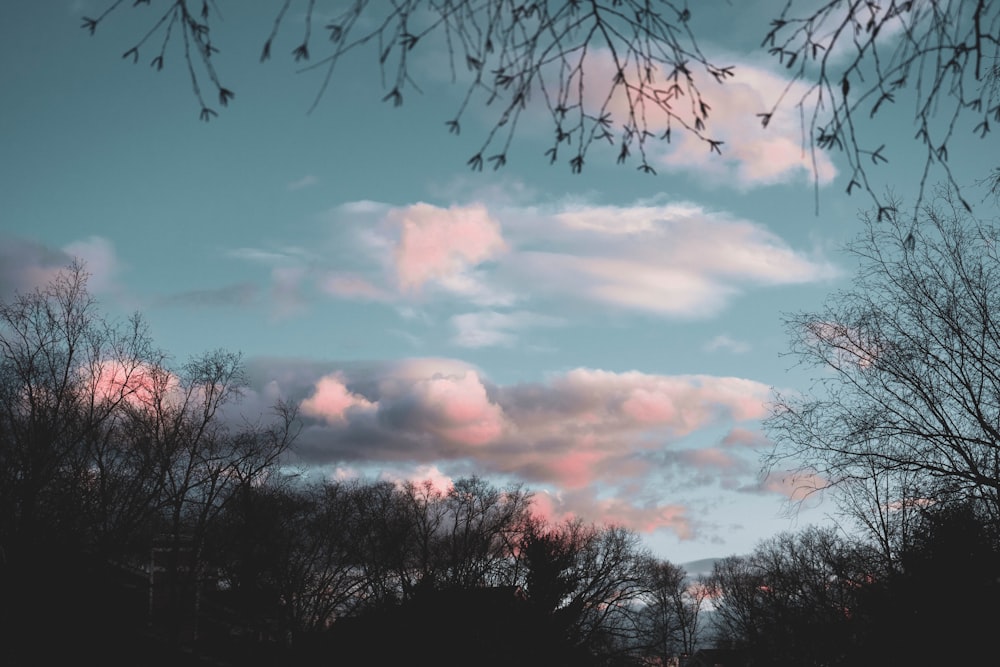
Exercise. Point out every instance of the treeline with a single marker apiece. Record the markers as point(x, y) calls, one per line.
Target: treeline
point(141, 513)
point(817, 598)
point(380, 568)
point(143, 520)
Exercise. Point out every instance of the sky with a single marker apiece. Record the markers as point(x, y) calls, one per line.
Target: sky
point(610, 339)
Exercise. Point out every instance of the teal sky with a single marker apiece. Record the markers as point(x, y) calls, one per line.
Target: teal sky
point(609, 338)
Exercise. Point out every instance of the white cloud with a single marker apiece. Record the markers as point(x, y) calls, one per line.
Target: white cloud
point(727, 343)
point(304, 182)
point(495, 329)
point(676, 260)
point(751, 155)
point(98, 256)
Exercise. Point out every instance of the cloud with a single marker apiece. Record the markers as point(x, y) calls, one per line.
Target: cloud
point(436, 245)
point(292, 270)
point(495, 329)
point(591, 434)
point(353, 286)
point(304, 182)
point(751, 155)
point(844, 345)
point(743, 437)
point(640, 516)
point(677, 260)
point(389, 255)
point(332, 400)
point(238, 294)
point(26, 265)
point(725, 342)
point(98, 257)
point(422, 474)
point(711, 458)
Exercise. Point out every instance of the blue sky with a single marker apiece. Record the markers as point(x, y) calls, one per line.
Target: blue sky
point(610, 338)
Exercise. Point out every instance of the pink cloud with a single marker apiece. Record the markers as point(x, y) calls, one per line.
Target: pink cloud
point(579, 431)
point(353, 286)
point(332, 400)
point(437, 244)
point(752, 155)
point(578, 427)
point(646, 519)
point(459, 409)
point(675, 260)
point(431, 475)
point(135, 383)
point(641, 517)
point(578, 468)
point(844, 345)
point(634, 400)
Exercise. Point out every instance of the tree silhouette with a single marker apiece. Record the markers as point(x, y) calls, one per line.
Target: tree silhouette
point(910, 384)
point(631, 72)
point(793, 600)
point(671, 612)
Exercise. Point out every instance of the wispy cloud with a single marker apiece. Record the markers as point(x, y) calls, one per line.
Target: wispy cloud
point(350, 285)
point(676, 260)
point(751, 155)
point(501, 276)
point(490, 328)
point(306, 181)
point(238, 294)
point(727, 343)
point(292, 272)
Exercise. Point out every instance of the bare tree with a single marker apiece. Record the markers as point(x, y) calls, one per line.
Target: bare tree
point(885, 506)
point(859, 57)
point(671, 610)
point(65, 373)
point(629, 71)
point(791, 601)
point(480, 527)
point(586, 582)
point(909, 366)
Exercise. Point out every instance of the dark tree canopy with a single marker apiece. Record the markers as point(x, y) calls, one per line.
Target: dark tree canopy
point(628, 72)
point(817, 598)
